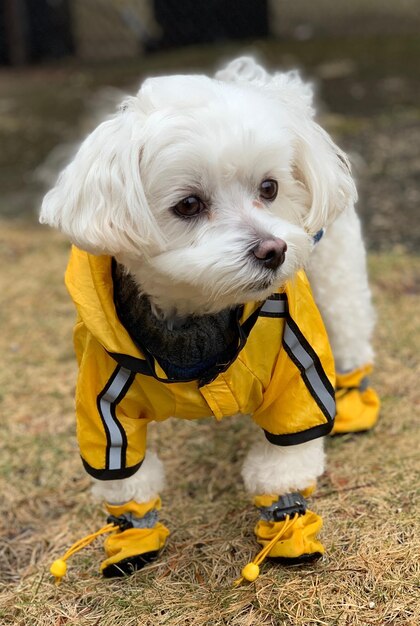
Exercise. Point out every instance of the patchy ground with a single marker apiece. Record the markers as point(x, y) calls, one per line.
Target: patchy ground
point(368, 495)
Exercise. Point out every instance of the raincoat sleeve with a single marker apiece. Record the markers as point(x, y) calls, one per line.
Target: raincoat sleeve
point(299, 403)
point(110, 429)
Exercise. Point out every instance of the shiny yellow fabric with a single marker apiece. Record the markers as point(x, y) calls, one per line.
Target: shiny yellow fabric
point(134, 542)
point(138, 509)
point(300, 538)
point(308, 491)
point(262, 381)
point(267, 500)
point(357, 409)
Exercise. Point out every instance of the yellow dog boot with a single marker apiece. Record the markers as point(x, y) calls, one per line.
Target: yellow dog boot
point(288, 530)
point(138, 540)
point(357, 403)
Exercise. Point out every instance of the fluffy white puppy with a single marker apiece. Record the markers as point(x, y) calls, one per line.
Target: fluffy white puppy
point(211, 193)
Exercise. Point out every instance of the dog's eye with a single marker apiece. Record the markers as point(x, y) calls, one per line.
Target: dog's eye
point(269, 189)
point(188, 207)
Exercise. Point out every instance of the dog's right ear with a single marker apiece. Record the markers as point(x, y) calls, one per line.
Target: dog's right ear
point(98, 200)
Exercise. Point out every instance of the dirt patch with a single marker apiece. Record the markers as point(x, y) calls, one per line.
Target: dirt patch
point(387, 170)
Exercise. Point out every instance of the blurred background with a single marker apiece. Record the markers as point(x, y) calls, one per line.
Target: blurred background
point(62, 63)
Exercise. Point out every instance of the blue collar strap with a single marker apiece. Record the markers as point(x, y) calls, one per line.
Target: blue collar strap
point(318, 236)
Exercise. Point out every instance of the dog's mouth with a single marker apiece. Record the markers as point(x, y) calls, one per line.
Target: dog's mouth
point(262, 284)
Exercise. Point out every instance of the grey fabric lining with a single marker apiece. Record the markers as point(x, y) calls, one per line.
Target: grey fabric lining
point(364, 383)
point(147, 521)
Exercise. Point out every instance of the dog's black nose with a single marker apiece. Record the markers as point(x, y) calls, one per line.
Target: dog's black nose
point(271, 252)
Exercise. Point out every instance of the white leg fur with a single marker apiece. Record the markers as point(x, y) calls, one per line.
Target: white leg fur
point(338, 276)
point(144, 485)
point(270, 469)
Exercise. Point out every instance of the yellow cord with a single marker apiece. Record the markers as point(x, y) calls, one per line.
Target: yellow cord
point(251, 571)
point(59, 567)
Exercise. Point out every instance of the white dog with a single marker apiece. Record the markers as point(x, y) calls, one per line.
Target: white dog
point(193, 211)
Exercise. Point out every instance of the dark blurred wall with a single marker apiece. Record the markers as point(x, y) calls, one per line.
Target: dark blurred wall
point(3, 47)
point(192, 22)
point(34, 30)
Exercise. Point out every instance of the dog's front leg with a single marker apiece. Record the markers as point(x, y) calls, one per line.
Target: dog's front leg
point(133, 503)
point(112, 436)
point(339, 281)
point(280, 478)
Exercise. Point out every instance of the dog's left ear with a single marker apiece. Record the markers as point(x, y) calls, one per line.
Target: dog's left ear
point(324, 172)
point(320, 167)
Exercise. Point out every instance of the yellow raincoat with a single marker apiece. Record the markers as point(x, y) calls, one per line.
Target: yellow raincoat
point(283, 373)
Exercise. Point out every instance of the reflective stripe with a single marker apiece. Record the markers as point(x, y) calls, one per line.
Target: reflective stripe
point(320, 389)
point(302, 354)
point(107, 403)
point(274, 308)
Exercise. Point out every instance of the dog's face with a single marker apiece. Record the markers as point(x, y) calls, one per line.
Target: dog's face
point(208, 190)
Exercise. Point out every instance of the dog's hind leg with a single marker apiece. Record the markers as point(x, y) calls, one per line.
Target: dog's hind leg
point(338, 276)
point(281, 478)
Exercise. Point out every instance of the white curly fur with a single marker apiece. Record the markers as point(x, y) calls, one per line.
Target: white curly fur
point(145, 484)
point(282, 469)
point(342, 291)
point(218, 139)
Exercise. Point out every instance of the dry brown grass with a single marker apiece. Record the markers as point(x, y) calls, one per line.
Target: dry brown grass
point(367, 496)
